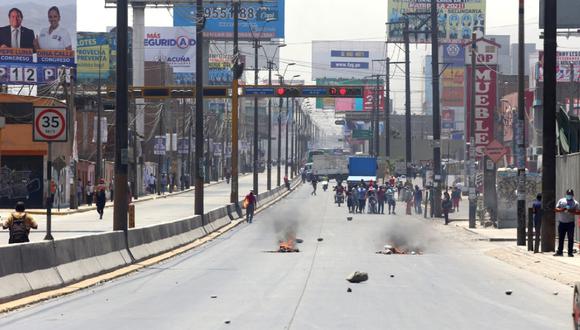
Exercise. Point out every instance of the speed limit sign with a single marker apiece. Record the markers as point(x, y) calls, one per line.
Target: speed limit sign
point(50, 124)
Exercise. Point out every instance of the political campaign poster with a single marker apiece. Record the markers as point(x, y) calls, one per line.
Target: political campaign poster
point(37, 41)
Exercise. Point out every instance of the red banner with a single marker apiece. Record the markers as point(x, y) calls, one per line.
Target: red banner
point(369, 99)
point(485, 105)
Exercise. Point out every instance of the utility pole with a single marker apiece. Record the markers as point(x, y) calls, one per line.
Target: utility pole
point(286, 139)
point(160, 157)
point(121, 120)
point(472, 195)
point(256, 147)
point(236, 67)
point(387, 109)
point(408, 136)
point(376, 118)
point(292, 141)
point(280, 102)
point(98, 171)
point(521, 206)
point(199, 134)
point(549, 131)
point(269, 160)
point(436, 109)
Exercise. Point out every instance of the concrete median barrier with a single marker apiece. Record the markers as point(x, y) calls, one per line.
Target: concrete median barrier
point(30, 268)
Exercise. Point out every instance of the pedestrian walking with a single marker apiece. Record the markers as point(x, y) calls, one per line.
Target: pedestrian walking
point(112, 190)
point(351, 200)
point(286, 182)
point(314, 182)
point(163, 183)
point(19, 224)
point(455, 198)
point(566, 208)
point(446, 206)
point(537, 211)
point(89, 190)
point(250, 206)
point(101, 198)
point(80, 192)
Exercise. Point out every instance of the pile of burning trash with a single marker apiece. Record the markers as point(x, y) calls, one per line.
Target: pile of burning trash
point(288, 246)
point(390, 249)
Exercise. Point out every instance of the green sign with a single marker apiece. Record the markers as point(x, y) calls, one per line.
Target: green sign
point(362, 134)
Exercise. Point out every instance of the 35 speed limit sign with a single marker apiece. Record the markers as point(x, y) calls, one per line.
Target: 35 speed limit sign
point(50, 124)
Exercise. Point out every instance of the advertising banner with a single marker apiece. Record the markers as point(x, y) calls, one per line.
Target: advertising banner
point(262, 20)
point(485, 105)
point(369, 96)
point(452, 77)
point(160, 145)
point(175, 46)
point(37, 40)
point(220, 72)
point(458, 19)
point(566, 61)
point(448, 119)
point(93, 56)
point(346, 59)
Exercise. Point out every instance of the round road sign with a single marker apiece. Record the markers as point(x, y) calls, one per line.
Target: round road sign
point(50, 124)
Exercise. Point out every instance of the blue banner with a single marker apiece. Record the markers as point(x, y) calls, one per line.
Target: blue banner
point(264, 20)
point(18, 66)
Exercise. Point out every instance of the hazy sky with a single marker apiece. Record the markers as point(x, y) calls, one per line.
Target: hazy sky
point(308, 20)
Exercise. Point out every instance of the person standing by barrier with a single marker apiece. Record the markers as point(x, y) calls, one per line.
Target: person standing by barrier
point(250, 206)
point(19, 223)
point(566, 209)
point(80, 192)
point(537, 211)
point(101, 198)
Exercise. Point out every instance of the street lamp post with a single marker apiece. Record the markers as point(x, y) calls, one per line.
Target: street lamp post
point(281, 77)
point(269, 160)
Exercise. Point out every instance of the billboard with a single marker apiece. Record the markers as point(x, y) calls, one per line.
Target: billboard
point(175, 46)
point(458, 19)
point(346, 59)
point(568, 13)
point(565, 61)
point(36, 41)
point(93, 57)
point(452, 77)
point(258, 20)
point(485, 105)
point(220, 72)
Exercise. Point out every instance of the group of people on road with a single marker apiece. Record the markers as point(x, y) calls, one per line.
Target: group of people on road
point(372, 195)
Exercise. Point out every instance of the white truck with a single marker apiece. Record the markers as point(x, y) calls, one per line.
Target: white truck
point(332, 166)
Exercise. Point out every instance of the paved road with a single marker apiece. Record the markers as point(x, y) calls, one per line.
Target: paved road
point(146, 213)
point(452, 286)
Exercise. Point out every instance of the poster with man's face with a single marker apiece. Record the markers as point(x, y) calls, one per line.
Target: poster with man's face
point(37, 40)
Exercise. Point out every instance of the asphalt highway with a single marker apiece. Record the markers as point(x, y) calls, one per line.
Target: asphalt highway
point(235, 282)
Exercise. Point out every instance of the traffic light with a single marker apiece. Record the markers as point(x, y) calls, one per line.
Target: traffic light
point(351, 92)
point(288, 92)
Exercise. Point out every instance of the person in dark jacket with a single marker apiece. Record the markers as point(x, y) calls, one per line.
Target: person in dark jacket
point(101, 198)
point(15, 35)
point(446, 206)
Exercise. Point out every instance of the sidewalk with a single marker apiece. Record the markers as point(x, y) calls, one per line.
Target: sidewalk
point(85, 208)
point(561, 269)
